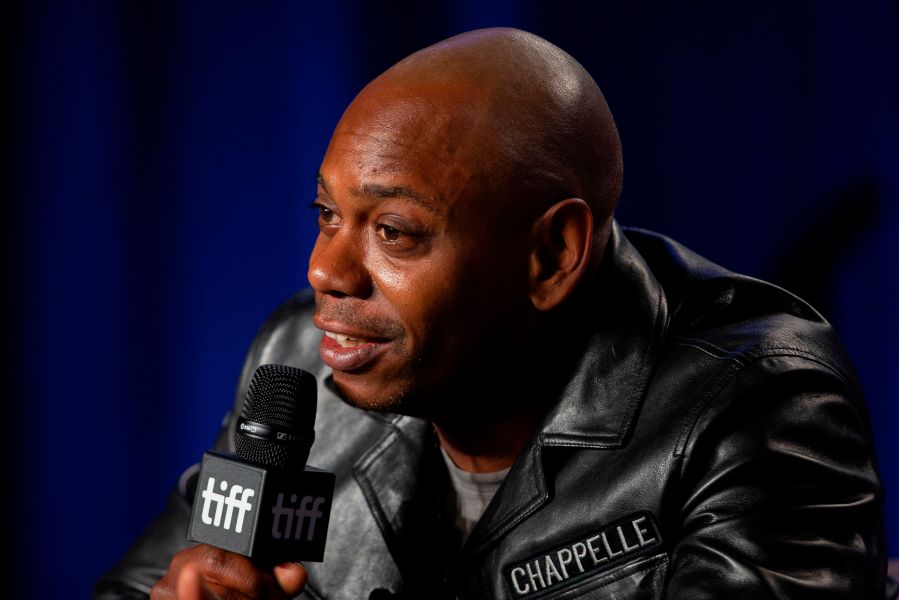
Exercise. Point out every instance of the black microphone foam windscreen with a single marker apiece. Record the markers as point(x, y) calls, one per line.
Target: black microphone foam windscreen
point(276, 426)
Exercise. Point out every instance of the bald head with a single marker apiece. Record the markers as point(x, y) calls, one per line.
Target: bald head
point(526, 112)
point(464, 196)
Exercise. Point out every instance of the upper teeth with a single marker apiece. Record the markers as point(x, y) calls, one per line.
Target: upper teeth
point(344, 340)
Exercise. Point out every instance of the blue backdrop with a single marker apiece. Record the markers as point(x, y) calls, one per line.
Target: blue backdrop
point(164, 157)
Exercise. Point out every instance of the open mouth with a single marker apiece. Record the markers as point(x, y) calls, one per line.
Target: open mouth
point(346, 341)
point(349, 353)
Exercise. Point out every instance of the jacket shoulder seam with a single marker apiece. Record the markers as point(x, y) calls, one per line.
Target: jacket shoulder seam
point(711, 349)
point(748, 356)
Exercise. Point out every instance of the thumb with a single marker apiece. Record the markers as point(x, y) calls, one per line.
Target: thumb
point(290, 576)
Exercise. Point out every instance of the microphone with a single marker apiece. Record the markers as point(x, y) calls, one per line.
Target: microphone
point(264, 501)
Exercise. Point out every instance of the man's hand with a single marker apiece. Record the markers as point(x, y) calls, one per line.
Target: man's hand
point(207, 573)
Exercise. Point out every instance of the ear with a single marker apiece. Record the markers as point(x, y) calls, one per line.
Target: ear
point(562, 243)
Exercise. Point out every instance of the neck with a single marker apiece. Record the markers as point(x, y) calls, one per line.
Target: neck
point(482, 445)
point(489, 429)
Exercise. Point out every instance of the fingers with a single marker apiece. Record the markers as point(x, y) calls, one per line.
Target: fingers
point(233, 571)
point(291, 577)
point(189, 585)
point(204, 572)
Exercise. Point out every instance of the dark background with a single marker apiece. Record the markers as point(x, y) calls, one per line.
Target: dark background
point(162, 157)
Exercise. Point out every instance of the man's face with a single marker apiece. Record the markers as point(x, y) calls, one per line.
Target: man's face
point(420, 275)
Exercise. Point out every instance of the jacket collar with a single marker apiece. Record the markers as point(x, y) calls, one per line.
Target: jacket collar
point(627, 325)
point(599, 404)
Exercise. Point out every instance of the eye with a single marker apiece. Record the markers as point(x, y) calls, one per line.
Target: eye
point(403, 240)
point(390, 234)
point(326, 216)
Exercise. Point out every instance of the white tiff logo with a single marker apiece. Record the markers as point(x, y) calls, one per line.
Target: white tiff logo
point(305, 511)
point(232, 502)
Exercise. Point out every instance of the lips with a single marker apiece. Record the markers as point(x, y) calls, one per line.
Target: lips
point(348, 353)
point(348, 350)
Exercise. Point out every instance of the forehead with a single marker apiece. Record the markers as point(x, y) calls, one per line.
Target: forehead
point(431, 144)
point(395, 138)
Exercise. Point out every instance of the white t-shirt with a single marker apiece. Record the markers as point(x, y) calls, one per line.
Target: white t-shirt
point(473, 492)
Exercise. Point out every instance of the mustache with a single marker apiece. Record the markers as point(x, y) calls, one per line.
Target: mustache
point(347, 314)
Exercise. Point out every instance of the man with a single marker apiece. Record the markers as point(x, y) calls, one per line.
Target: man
point(660, 427)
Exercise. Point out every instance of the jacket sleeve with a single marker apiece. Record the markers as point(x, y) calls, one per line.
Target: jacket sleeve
point(780, 495)
point(281, 339)
point(148, 558)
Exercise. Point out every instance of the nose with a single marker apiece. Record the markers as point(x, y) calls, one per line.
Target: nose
point(337, 265)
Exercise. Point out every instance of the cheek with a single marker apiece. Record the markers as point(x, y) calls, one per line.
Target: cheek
point(424, 296)
point(392, 280)
point(420, 292)
point(452, 306)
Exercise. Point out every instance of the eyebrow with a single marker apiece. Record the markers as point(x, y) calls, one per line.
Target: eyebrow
point(375, 190)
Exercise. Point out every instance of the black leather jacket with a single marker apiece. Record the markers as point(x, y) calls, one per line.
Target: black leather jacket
point(712, 443)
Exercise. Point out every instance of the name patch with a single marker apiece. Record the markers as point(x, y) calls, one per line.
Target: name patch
point(602, 549)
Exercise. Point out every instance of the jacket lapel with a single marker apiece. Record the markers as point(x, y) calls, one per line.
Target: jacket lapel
point(521, 494)
point(404, 482)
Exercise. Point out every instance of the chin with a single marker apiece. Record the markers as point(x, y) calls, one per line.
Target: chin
point(402, 399)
